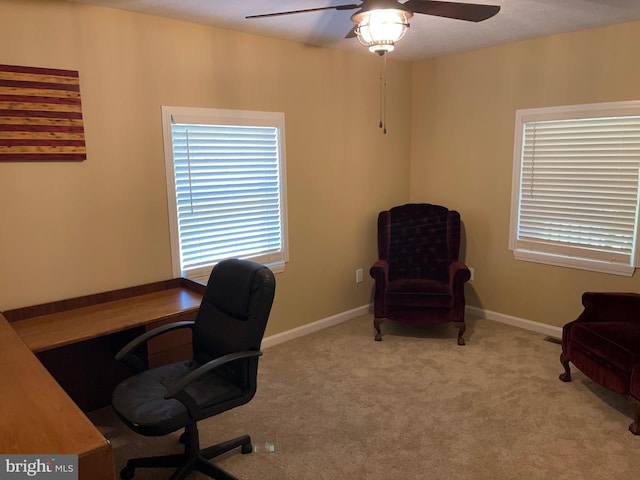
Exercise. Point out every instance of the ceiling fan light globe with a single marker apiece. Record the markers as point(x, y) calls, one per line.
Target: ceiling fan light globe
point(381, 28)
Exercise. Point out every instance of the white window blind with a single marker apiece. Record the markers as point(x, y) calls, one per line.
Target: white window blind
point(228, 188)
point(576, 187)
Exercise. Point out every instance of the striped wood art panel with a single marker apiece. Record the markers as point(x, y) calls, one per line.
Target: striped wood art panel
point(40, 115)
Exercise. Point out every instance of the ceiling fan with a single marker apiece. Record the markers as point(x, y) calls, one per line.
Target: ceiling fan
point(381, 23)
point(378, 24)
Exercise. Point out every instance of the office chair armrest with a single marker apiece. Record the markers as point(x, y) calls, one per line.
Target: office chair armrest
point(126, 354)
point(173, 390)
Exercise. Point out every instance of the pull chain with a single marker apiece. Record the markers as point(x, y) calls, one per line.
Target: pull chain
point(383, 95)
point(380, 83)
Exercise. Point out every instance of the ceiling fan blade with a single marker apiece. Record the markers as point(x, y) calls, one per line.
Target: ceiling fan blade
point(352, 32)
point(471, 12)
point(351, 6)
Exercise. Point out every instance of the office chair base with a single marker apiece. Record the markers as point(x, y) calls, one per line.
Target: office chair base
point(192, 459)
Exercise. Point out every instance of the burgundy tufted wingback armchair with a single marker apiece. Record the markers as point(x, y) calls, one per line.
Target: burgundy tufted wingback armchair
point(604, 344)
point(418, 278)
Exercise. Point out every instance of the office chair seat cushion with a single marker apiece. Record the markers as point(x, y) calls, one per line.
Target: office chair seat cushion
point(140, 402)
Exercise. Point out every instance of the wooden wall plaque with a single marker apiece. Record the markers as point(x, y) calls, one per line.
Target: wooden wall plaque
point(40, 115)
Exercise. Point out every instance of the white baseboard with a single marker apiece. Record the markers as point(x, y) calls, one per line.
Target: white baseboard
point(278, 338)
point(551, 331)
point(272, 340)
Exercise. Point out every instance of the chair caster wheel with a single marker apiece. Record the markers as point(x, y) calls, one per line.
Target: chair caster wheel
point(127, 473)
point(246, 448)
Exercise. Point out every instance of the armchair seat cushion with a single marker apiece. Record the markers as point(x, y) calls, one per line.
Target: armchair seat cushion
point(614, 342)
point(606, 352)
point(418, 292)
point(634, 388)
point(140, 401)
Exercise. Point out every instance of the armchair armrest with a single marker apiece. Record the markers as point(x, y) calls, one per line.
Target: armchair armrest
point(459, 273)
point(614, 306)
point(379, 271)
point(126, 354)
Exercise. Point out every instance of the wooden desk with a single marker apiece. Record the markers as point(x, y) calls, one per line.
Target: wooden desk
point(37, 416)
point(56, 324)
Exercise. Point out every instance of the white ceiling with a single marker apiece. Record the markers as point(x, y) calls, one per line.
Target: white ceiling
point(428, 36)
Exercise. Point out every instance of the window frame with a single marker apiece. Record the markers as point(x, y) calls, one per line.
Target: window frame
point(211, 116)
point(527, 251)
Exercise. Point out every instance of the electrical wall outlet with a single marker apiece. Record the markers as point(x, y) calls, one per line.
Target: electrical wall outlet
point(359, 275)
point(471, 269)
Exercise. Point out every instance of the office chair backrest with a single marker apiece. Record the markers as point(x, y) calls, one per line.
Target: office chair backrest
point(234, 310)
point(423, 240)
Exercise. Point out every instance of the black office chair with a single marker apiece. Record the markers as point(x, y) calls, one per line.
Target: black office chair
point(226, 339)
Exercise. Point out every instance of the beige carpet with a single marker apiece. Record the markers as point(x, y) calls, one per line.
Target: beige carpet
point(337, 405)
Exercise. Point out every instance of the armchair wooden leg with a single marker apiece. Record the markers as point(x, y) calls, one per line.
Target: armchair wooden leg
point(377, 321)
point(635, 405)
point(461, 329)
point(564, 360)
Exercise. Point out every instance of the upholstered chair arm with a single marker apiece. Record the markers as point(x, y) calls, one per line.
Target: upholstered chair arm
point(613, 306)
point(127, 353)
point(458, 274)
point(379, 271)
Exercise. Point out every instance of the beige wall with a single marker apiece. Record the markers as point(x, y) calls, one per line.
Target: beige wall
point(462, 154)
point(70, 229)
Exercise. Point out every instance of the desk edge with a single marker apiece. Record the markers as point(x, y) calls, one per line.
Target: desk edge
point(23, 313)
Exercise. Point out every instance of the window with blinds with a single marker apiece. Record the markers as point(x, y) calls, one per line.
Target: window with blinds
point(225, 187)
point(575, 186)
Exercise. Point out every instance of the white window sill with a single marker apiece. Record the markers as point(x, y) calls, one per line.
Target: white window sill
point(577, 263)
